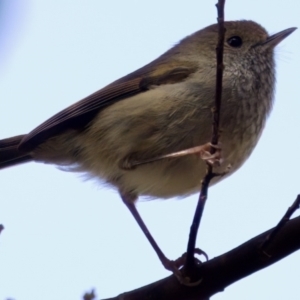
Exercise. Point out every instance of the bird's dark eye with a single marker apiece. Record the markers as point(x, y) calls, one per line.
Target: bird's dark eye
point(235, 42)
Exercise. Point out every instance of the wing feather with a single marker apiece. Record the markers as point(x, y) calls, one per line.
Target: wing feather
point(81, 113)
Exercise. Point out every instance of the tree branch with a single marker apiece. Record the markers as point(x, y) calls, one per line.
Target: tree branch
point(224, 270)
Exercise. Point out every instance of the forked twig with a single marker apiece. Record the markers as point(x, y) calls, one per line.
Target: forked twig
point(280, 225)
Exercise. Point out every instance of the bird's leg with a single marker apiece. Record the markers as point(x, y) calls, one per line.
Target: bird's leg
point(128, 200)
point(171, 265)
point(202, 151)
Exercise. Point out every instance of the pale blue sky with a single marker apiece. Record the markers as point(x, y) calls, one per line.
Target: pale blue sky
point(64, 236)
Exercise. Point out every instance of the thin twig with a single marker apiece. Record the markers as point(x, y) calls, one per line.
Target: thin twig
point(281, 223)
point(1, 228)
point(89, 295)
point(190, 260)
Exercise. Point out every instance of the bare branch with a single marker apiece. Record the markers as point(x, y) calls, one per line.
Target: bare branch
point(282, 222)
point(224, 270)
point(190, 260)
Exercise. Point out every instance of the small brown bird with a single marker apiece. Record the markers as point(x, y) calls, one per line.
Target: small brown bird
point(131, 133)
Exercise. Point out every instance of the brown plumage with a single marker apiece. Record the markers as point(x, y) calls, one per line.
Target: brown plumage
point(162, 108)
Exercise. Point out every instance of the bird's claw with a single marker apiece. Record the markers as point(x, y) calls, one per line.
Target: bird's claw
point(214, 159)
point(175, 267)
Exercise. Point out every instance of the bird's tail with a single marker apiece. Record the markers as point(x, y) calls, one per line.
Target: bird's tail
point(10, 154)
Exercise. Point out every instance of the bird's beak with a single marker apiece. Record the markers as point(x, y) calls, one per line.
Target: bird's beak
point(273, 40)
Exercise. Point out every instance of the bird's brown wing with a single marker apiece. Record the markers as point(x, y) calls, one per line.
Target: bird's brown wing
point(81, 113)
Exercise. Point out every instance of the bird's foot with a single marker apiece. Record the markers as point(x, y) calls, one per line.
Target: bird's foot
point(175, 266)
point(204, 151)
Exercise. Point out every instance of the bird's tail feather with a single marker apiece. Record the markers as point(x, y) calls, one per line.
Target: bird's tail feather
point(10, 154)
